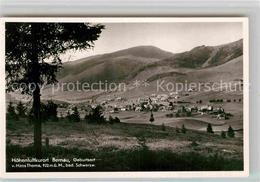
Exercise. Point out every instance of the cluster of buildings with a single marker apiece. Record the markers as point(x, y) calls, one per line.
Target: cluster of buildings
point(155, 102)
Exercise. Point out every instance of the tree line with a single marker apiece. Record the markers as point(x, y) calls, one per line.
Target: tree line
point(49, 112)
point(224, 134)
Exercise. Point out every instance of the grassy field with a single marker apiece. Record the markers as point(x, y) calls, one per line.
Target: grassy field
point(124, 146)
point(196, 122)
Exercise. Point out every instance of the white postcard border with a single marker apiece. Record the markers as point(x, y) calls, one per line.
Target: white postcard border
point(111, 175)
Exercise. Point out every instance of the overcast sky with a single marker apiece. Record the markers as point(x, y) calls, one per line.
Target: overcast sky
point(173, 37)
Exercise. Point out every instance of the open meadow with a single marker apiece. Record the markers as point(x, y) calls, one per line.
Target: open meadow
point(124, 146)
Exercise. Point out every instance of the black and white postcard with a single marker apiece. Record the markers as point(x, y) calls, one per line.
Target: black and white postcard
point(124, 97)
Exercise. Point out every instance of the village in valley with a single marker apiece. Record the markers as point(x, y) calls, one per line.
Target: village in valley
point(168, 109)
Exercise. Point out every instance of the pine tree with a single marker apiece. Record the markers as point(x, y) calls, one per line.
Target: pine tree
point(223, 134)
point(183, 129)
point(29, 45)
point(117, 120)
point(188, 113)
point(111, 120)
point(209, 129)
point(151, 118)
point(21, 109)
point(75, 117)
point(68, 116)
point(177, 114)
point(96, 116)
point(11, 114)
point(51, 110)
point(231, 132)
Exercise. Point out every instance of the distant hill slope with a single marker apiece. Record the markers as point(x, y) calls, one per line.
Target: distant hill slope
point(227, 72)
point(206, 56)
point(114, 66)
point(141, 51)
point(149, 63)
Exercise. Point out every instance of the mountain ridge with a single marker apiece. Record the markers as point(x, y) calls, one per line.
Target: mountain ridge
point(127, 64)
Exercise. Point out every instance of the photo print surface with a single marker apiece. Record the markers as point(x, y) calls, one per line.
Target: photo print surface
point(129, 95)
